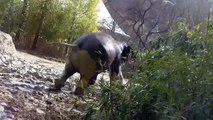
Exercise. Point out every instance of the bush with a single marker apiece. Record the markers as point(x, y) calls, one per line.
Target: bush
point(173, 81)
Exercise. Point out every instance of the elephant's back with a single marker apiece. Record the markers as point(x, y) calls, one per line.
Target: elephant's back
point(99, 45)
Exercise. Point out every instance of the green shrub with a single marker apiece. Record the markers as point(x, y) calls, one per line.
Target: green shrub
point(173, 81)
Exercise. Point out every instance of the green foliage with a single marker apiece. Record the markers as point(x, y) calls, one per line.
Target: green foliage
point(10, 11)
point(62, 19)
point(3, 9)
point(55, 20)
point(3, 6)
point(83, 19)
point(173, 81)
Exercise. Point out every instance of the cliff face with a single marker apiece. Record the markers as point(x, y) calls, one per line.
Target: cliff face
point(126, 12)
point(137, 17)
point(129, 13)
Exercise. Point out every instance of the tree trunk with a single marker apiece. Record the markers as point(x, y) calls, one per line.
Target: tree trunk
point(20, 32)
point(40, 26)
point(38, 33)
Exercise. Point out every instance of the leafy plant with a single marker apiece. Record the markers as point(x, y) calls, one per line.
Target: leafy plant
point(173, 81)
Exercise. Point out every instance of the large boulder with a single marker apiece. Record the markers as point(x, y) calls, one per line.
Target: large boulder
point(126, 12)
point(6, 43)
point(155, 15)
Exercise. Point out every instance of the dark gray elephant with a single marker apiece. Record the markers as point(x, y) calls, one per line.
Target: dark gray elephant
point(94, 53)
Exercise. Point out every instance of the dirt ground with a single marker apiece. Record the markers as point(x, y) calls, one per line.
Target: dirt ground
point(38, 60)
point(24, 95)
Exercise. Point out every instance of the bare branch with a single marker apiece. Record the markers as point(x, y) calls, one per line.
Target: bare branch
point(141, 20)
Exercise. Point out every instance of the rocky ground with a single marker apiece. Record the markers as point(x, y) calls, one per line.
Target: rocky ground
point(24, 95)
point(24, 83)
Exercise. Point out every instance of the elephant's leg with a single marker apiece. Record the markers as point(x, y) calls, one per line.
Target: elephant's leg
point(87, 69)
point(81, 85)
point(93, 79)
point(68, 71)
point(114, 70)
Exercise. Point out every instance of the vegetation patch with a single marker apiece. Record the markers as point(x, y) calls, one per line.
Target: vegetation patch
point(173, 80)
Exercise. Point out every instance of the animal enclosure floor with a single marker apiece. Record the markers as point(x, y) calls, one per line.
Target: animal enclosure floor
point(24, 95)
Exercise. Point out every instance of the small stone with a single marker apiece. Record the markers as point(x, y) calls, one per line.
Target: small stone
point(2, 59)
point(13, 109)
point(5, 70)
point(31, 99)
point(48, 102)
point(37, 75)
point(16, 62)
point(1, 111)
point(39, 111)
point(77, 112)
point(6, 57)
point(10, 117)
point(4, 104)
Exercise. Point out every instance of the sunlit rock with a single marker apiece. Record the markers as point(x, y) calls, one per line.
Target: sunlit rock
point(6, 43)
point(2, 113)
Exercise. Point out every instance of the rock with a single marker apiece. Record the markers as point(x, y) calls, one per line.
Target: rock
point(10, 108)
point(17, 62)
point(39, 111)
point(2, 113)
point(10, 117)
point(77, 112)
point(37, 75)
point(6, 43)
point(2, 59)
point(5, 70)
point(4, 104)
